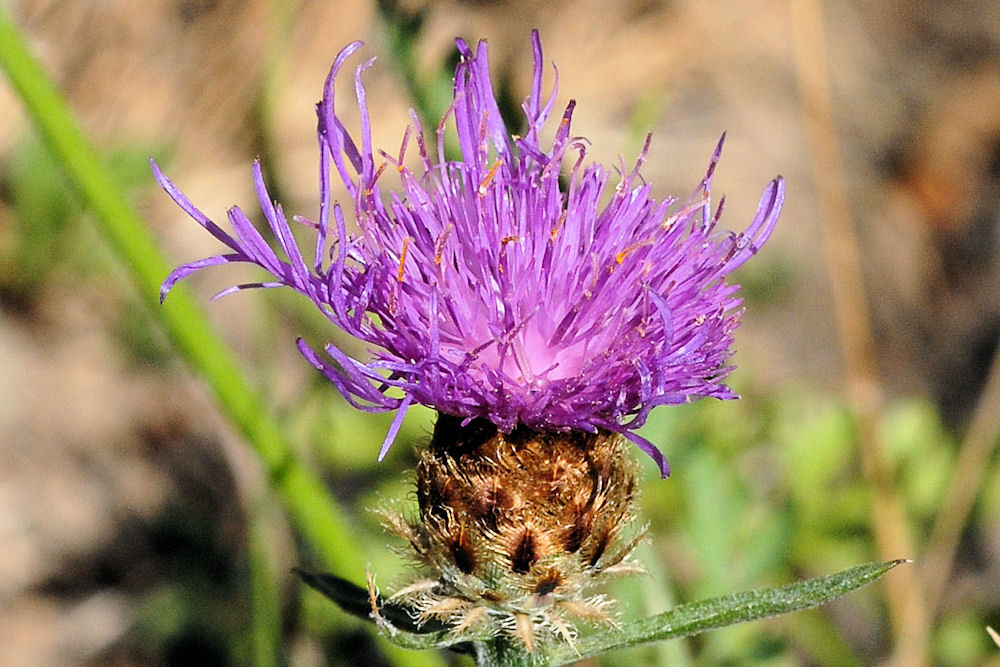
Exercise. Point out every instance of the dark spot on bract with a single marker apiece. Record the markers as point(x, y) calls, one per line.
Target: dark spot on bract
point(524, 554)
point(463, 552)
point(548, 582)
point(602, 538)
point(488, 502)
point(577, 531)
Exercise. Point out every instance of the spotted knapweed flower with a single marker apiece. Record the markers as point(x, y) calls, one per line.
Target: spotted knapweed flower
point(541, 312)
point(512, 284)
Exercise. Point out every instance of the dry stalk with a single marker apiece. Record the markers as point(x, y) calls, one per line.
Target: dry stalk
point(907, 612)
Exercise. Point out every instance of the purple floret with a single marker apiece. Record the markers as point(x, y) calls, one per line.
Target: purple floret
point(487, 289)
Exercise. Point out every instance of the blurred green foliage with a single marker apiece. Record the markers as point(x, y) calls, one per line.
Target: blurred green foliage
point(46, 237)
point(764, 491)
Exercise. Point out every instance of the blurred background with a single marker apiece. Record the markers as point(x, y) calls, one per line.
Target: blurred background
point(131, 512)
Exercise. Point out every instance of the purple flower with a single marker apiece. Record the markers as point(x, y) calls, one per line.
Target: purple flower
point(510, 285)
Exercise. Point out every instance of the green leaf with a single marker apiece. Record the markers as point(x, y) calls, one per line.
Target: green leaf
point(357, 601)
point(719, 612)
point(397, 625)
point(395, 622)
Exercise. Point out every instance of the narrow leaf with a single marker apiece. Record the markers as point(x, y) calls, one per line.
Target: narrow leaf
point(704, 615)
point(396, 622)
point(357, 601)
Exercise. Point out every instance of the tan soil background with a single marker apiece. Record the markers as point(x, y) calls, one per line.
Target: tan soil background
point(94, 444)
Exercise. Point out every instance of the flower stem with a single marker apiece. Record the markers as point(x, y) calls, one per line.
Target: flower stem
point(504, 651)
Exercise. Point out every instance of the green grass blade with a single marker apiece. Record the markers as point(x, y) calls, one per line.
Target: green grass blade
point(265, 591)
point(309, 503)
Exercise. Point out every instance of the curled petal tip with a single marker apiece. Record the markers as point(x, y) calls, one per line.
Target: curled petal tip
point(486, 289)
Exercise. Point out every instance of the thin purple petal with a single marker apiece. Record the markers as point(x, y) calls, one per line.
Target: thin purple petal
point(519, 284)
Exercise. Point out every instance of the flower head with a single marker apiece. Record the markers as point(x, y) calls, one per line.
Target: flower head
point(512, 284)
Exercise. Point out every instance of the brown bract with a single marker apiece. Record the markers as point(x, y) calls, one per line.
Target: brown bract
point(516, 530)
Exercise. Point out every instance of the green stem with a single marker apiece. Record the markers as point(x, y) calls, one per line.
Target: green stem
point(504, 651)
point(312, 509)
point(265, 597)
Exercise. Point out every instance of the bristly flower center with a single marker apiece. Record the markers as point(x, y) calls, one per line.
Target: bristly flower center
point(516, 531)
